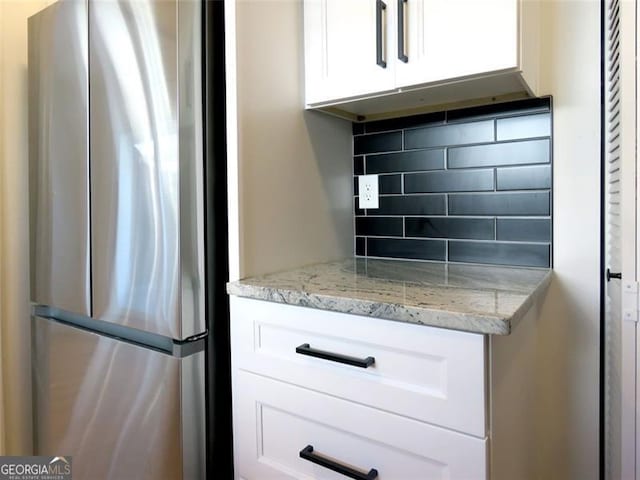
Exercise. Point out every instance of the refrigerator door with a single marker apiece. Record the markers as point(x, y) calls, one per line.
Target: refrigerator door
point(147, 165)
point(122, 411)
point(58, 162)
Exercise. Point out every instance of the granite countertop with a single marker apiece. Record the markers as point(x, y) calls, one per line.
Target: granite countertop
point(472, 298)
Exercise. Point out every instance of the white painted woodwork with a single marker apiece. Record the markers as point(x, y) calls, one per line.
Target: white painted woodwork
point(340, 44)
point(613, 251)
point(447, 39)
point(431, 374)
point(275, 420)
point(622, 409)
point(458, 51)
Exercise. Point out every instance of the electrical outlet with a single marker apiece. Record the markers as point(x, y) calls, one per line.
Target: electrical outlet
point(368, 191)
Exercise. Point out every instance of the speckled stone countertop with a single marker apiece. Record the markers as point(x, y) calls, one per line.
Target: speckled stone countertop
point(479, 299)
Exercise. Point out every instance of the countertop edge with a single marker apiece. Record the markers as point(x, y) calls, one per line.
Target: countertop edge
point(466, 322)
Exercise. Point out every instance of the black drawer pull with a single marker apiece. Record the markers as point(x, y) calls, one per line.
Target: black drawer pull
point(305, 349)
point(307, 454)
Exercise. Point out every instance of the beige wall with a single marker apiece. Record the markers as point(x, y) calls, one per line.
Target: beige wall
point(290, 170)
point(569, 322)
point(14, 261)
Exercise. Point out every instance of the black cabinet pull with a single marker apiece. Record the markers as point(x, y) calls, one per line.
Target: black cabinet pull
point(380, 6)
point(611, 275)
point(401, 54)
point(305, 349)
point(307, 454)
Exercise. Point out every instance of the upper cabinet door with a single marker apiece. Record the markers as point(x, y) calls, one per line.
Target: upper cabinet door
point(58, 161)
point(349, 46)
point(147, 165)
point(450, 39)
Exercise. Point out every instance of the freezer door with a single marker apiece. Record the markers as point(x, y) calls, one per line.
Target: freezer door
point(147, 164)
point(58, 162)
point(122, 411)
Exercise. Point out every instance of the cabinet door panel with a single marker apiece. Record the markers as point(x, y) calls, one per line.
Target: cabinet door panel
point(275, 421)
point(448, 39)
point(340, 49)
point(430, 374)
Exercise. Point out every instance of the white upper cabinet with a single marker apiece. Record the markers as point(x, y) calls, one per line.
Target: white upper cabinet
point(348, 48)
point(433, 52)
point(447, 39)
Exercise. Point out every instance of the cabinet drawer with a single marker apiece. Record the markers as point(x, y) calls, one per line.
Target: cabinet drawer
point(430, 374)
point(275, 421)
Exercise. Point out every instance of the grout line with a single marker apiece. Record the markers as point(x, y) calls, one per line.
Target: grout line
point(458, 145)
point(449, 239)
point(470, 169)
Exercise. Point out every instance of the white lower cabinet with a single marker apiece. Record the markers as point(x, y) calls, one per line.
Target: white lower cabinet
point(326, 395)
point(276, 422)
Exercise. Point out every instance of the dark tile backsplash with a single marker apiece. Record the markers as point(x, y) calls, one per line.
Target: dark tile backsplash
point(471, 185)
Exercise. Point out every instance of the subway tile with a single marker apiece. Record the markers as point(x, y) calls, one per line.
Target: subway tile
point(521, 254)
point(438, 227)
point(410, 205)
point(529, 105)
point(387, 184)
point(379, 226)
point(360, 246)
point(390, 184)
point(527, 203)
point(449, 181)
point(406, 248)
point(357, 128)
point(456, 134)
point(524, 229)
point(377, 142)
point(405, 122)
point(526, 126)
point(413, 161)
point(356, 206)
point(524, 178)
point(358, 165)
point(498, 154)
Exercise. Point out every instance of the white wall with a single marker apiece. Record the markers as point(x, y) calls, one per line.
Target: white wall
point(290, 170)
point(14, 238)
point(569, 322)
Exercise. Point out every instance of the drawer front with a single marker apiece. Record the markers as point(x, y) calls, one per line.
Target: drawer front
point(275, 421)
point(430, 374)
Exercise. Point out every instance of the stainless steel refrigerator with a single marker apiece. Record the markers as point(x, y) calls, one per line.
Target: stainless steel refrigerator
point(121, 238)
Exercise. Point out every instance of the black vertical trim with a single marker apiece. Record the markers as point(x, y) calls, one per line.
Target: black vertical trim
point(88, 137)
point(601, 409)
point(218, 355)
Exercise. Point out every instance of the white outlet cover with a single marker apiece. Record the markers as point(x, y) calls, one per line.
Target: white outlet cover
point(368, 191)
